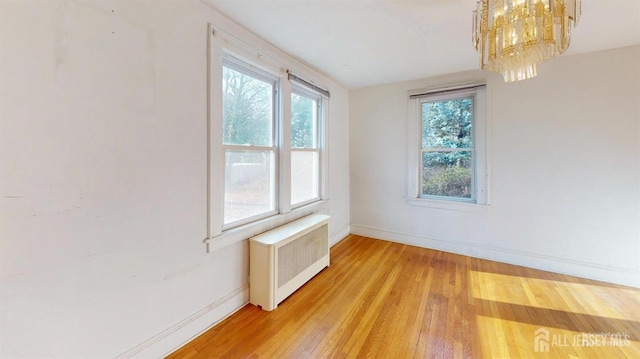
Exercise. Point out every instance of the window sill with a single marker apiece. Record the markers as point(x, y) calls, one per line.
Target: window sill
point(243, 232)
point(448, 205)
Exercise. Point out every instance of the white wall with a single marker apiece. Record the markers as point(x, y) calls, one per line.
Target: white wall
point(103, 164)
point(565, 169)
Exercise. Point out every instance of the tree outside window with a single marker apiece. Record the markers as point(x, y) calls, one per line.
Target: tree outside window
point(447, 148)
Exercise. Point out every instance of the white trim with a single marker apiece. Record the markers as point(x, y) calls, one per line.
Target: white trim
point(285, 148)
point(181, 333)
point(480, 165)
point(336, 237)
point(244, 221)
point(304, 203)
point(238, 148)
point(450, 204)
point(240, 53)
point(543, 262)
point(413, 149)
point(241, 233)
point(323, 145)
point(306, 149)
point(215, 155)
point(248, 67)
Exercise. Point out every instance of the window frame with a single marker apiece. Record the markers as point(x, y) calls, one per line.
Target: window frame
point(423, 150)
point(245, 68)
point(318, 145)
point(479, 165)
point(220, 45)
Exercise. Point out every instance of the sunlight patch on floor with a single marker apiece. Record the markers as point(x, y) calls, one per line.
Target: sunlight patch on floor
point(556, 295)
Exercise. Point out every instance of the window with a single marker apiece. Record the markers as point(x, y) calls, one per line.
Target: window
point(248, 120)
point(266, 144)
point(450, 164)
point(266, 153)
point(447, 148)
point(305, 150)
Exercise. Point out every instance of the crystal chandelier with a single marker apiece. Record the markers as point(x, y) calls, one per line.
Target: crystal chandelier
point(512, 36)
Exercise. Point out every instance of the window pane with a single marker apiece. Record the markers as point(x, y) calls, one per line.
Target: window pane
point(304, 176)
point(249, 184)
point(247, 109)
point(447, 124)
point(303, 121)
point(447, 174)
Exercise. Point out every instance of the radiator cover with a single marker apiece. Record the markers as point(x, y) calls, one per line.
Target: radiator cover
point(286, 257)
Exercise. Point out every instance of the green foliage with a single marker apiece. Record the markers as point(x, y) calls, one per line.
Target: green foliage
point(438, 159)
point(451, 181)
point(448, 124)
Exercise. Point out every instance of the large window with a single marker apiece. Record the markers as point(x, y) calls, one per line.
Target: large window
point(250, 151)
point(305, 150)
point(266, 144)
point(450, 164)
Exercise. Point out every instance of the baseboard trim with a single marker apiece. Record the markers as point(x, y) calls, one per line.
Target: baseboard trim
point(576, 268)
point(336, 237)
point(171, 339)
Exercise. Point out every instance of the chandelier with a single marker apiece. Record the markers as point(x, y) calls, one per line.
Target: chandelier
point(512, 36)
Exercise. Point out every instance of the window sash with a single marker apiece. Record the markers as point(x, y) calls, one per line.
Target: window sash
point(316, 181)
point(246, 69)
point(446, 149)
point(315, 144)
point(272, 190)
point(443, 97)
point(473, 161)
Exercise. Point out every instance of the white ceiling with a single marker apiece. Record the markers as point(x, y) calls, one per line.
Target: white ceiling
point(362, 43)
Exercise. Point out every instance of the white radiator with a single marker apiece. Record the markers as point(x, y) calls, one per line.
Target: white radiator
point(284, 258)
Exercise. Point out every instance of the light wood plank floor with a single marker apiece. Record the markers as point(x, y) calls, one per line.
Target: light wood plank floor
point(380, 299)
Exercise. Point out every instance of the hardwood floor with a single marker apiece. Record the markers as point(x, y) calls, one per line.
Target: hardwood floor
point(380, 299)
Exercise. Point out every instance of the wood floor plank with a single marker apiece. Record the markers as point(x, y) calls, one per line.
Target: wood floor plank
point(380, 299)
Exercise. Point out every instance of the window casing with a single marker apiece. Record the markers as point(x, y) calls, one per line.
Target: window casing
point(253, 160)
point(447, 148)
